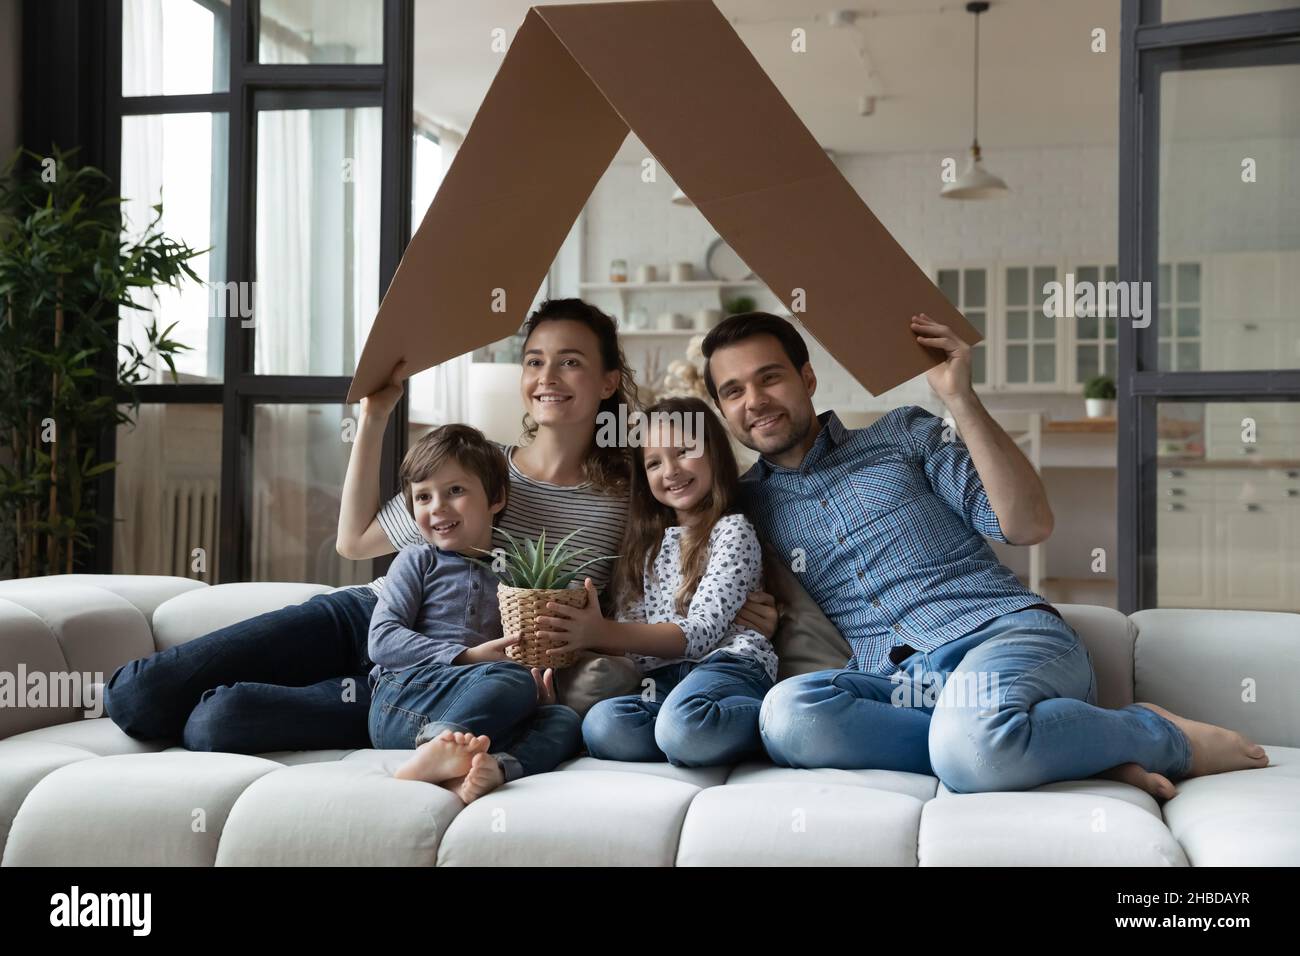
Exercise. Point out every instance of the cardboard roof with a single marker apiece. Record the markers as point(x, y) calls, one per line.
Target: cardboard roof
point(575, 79)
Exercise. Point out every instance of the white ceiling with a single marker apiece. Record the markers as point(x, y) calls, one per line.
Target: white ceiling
point(1040, 84)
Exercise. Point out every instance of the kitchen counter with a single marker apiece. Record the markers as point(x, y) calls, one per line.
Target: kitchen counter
point(1259, 464)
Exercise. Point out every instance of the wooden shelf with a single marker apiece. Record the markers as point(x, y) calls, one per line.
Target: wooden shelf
point(1081, 425)
point(695, 285)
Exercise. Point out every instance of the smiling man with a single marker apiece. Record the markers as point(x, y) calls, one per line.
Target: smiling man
point(891, 522)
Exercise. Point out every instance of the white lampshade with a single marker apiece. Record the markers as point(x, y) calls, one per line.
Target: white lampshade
point(975, 182)
point(494, 406)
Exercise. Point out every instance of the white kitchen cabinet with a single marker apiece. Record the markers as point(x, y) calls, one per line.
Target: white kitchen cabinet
point(1228, 538)
point(1253, 558)
point(1253, 315)
point(1185, 553)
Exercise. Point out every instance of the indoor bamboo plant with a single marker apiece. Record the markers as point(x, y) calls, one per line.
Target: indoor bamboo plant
point(65, 379)
point(529, 578)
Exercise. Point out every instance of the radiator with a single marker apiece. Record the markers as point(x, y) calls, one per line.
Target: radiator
point(191, 511)
point(190, 519)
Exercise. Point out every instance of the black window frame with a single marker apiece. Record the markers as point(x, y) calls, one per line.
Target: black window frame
point(1149, 48)
point(255, 86)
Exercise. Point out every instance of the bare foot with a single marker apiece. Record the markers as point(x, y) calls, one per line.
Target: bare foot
point(484, 776)
point(1215, 749)
point(446, 756)
point(1155, 784)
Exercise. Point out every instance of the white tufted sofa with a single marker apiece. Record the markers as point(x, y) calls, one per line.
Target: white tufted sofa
point(78, 791)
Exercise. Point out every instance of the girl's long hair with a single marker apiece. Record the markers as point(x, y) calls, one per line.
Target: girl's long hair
point(648, 517)
point(606, 468)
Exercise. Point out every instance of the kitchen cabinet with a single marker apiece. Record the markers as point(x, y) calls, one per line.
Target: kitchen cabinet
point(1228, 538)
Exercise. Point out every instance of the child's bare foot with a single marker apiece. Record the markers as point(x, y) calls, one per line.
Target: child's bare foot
point(1155, 784)
point(484, 776)
point(446, 756)
point(1214, 749)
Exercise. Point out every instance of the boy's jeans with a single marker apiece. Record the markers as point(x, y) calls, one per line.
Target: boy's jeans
point(499, 699)
point(1017, 710)
point(701, 714)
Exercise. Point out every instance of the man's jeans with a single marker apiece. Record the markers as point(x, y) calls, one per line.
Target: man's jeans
point(292, 679)
point(700, 714)
point(1016, 710)
point(414, 704)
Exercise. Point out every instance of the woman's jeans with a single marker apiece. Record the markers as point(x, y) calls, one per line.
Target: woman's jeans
point(292, 679)
point(499, 699)
point(1010, 706)
point(694, 714)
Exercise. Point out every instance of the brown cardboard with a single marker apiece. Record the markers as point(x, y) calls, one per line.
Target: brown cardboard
point(576, 78)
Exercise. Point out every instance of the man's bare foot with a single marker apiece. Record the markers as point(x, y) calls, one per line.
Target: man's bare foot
point(484, 776)
point(1155, 784)
point(446, 756)
point(1214, 749)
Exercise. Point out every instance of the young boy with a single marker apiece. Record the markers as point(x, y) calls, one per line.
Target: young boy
point(442, 682)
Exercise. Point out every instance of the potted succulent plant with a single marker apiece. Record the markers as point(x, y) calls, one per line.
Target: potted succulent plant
point(1099, 397)
point(529, 578)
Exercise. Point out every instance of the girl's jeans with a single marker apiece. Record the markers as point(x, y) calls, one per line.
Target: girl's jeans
point(695, 714)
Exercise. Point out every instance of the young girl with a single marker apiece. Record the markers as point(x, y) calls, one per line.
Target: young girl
point(690, 558)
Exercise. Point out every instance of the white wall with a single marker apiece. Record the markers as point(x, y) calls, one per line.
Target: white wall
point(1062, 201)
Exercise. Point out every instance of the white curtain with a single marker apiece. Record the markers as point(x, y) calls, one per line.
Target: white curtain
point(441, 394)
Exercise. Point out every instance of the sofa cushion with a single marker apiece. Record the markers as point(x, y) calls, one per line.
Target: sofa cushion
point(809, 823)
point(1043, 828)
point(1238, 669)
point(96, 630)
point(581, 818)
point(27, 646)
point(196, 613)
point(1245, 818)
point(1109, 636)
point(164, 809)
point(917, 785)
point(595, 677)
point(805, 638)
point(695, 776)
point(338, 813)
point(23, 764)
point(99, 736)
point(144, 591)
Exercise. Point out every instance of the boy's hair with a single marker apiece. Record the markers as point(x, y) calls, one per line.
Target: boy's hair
point(744, 325)
point(464, 445)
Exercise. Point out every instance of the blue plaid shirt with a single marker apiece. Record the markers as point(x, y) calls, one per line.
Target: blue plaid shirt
point(889, 519)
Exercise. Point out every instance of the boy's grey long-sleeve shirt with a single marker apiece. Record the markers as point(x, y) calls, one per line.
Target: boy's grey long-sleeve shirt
point(433, 606)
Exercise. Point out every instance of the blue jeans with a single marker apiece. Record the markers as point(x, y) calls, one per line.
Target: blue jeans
point(1009, 706)
point(414, 704)
point(292, 679)
point(696, 714)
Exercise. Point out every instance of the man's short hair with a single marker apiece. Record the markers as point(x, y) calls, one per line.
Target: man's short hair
point(463, 444)
point(746, 324)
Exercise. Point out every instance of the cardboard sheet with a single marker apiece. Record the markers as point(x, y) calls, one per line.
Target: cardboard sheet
point(576, 78)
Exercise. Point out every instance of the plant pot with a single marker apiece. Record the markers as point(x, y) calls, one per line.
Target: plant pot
point(520, 608)
point(1099, 407)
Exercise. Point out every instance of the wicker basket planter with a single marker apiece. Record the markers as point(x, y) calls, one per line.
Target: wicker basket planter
point(529, 578)
point(520, 608)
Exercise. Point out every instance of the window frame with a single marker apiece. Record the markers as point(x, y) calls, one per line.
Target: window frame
point(1148, 49)
point(255, 86)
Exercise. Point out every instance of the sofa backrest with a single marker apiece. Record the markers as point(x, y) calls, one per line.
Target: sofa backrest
point(1240, 669)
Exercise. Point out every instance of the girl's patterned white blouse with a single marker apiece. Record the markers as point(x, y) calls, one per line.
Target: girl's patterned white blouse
point(735, 568)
